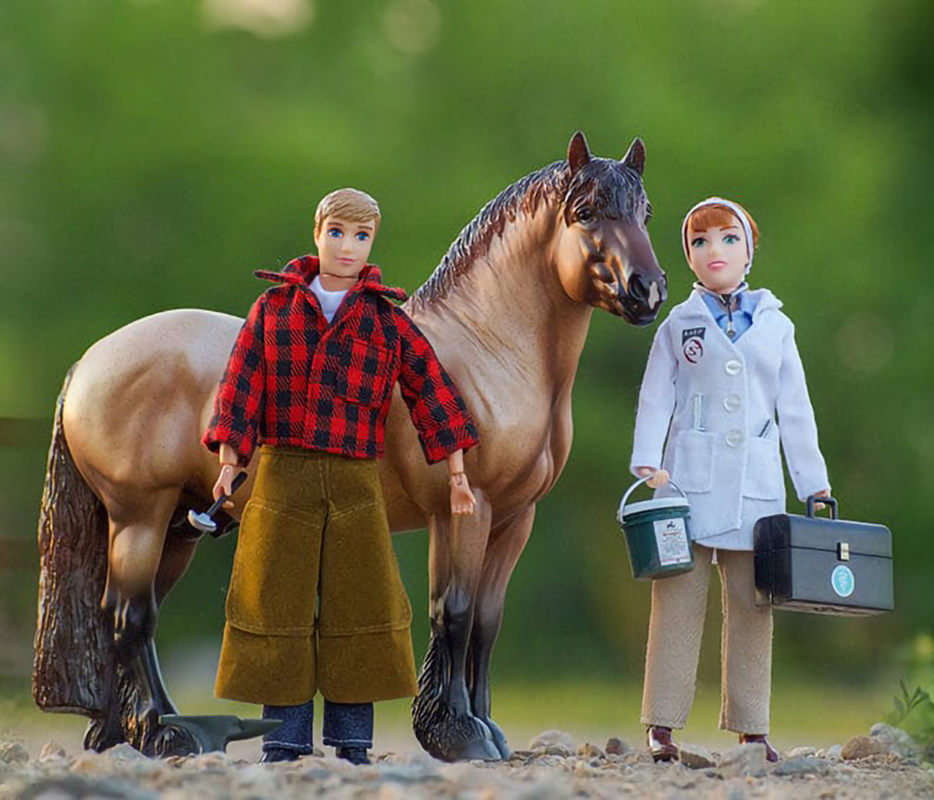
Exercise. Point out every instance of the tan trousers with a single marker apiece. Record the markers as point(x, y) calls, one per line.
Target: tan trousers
point(675, 629)
point(316, 600)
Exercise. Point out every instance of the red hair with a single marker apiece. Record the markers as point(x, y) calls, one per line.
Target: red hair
point(718, 216)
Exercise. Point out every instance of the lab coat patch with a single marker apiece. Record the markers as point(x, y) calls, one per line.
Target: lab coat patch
point(692, 344)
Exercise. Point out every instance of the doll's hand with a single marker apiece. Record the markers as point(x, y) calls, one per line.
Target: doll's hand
point(462, 499)
point(659, 477)
point(821, 493)
point(223, 484)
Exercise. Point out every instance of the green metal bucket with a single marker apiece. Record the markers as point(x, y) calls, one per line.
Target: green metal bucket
point(657, 533)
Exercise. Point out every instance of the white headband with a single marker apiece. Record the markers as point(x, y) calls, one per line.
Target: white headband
point(740, 215)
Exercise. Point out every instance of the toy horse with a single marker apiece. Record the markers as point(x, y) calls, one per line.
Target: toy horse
point(507, 310)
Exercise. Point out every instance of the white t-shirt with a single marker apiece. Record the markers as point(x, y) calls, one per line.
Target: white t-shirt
point(330, 301)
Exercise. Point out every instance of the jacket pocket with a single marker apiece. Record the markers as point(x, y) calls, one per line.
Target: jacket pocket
point(365, 373)
point(764, 480)
point(693, 463)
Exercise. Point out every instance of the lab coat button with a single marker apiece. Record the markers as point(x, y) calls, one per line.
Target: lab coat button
point(732, 402)
point(734, 366)
point(734, 438)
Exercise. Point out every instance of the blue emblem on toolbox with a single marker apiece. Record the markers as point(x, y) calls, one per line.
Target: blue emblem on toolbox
point(843, 581)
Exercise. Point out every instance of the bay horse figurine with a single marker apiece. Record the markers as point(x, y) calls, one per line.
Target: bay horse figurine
point(507, 310)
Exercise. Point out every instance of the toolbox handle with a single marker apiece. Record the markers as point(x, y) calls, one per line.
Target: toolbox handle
point(829, 501)
point(622, 505)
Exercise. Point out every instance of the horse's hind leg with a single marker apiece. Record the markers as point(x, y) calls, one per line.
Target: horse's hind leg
point(442, 719)
point(137, 542)
point(176, 558)
point(505, 547)
point(177, 553)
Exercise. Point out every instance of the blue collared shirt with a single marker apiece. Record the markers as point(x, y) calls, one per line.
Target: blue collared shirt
point(743, 305)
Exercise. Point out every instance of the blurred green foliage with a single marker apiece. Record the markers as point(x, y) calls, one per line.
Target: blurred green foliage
point(153, 155)
point(913, 710)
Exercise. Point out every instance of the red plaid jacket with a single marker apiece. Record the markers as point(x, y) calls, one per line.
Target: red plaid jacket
point(293, 379)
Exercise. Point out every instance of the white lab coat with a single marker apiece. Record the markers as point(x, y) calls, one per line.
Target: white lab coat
point(716, 400)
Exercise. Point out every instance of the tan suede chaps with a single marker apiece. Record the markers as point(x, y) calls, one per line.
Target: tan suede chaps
point(316, 601)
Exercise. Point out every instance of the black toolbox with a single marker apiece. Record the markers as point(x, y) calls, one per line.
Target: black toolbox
point(823, 566)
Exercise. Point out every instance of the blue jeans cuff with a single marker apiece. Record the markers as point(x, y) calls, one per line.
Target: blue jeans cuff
point(348, 724)
point(295, 731)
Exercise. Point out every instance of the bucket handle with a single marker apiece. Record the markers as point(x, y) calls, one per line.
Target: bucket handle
point(622, 505)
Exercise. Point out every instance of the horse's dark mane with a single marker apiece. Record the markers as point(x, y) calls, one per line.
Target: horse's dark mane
point(610, 186)
point(524, 195)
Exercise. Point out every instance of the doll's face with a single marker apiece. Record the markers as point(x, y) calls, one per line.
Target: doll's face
point(718, 256)
point(344, 246)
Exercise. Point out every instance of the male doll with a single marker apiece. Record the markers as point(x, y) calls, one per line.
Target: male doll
point(316, 600)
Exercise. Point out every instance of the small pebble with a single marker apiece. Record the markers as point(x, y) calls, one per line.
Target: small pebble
point(616, 747)
point(13, 753)
point(51, 750)
point(590, 751)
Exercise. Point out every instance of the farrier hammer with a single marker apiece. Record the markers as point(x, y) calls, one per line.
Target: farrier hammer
point(204, 522)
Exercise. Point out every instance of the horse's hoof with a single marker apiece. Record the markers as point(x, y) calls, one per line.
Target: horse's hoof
point(480, 750)
point(456, 737)
point(499, 738)
point(171, 741)
point(102, 734)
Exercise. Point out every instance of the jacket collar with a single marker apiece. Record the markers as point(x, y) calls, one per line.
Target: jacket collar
point(302, 270)
point(695, 304)
point(737, 294)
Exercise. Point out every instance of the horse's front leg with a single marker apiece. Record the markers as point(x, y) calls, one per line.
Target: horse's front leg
point(442, 717)
point(506, 545)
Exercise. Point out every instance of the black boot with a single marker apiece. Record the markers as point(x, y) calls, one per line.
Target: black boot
point(355, 755)
point(348, 727)
point(275, 754)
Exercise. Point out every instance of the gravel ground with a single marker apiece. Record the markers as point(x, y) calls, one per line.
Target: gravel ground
point(555, 767)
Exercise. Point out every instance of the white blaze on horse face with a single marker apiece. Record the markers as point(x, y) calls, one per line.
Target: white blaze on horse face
point(343, 249)
point(718, 256)
point(655, 297)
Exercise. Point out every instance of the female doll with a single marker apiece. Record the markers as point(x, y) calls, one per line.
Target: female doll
point(721, 365)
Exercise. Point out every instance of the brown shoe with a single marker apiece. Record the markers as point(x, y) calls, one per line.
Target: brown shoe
point(771, 754)
point(660, 744)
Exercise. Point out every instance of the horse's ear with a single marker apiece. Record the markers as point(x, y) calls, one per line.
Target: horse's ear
point(635, 156)
point(578, 152)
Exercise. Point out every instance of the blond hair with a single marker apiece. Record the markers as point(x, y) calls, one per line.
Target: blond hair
point(349, 204)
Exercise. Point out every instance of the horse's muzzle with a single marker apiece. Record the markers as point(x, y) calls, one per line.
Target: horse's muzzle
point(638, 302)
point(641, 301)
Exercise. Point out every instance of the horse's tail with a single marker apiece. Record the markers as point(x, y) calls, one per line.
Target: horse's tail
point(74, 650)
